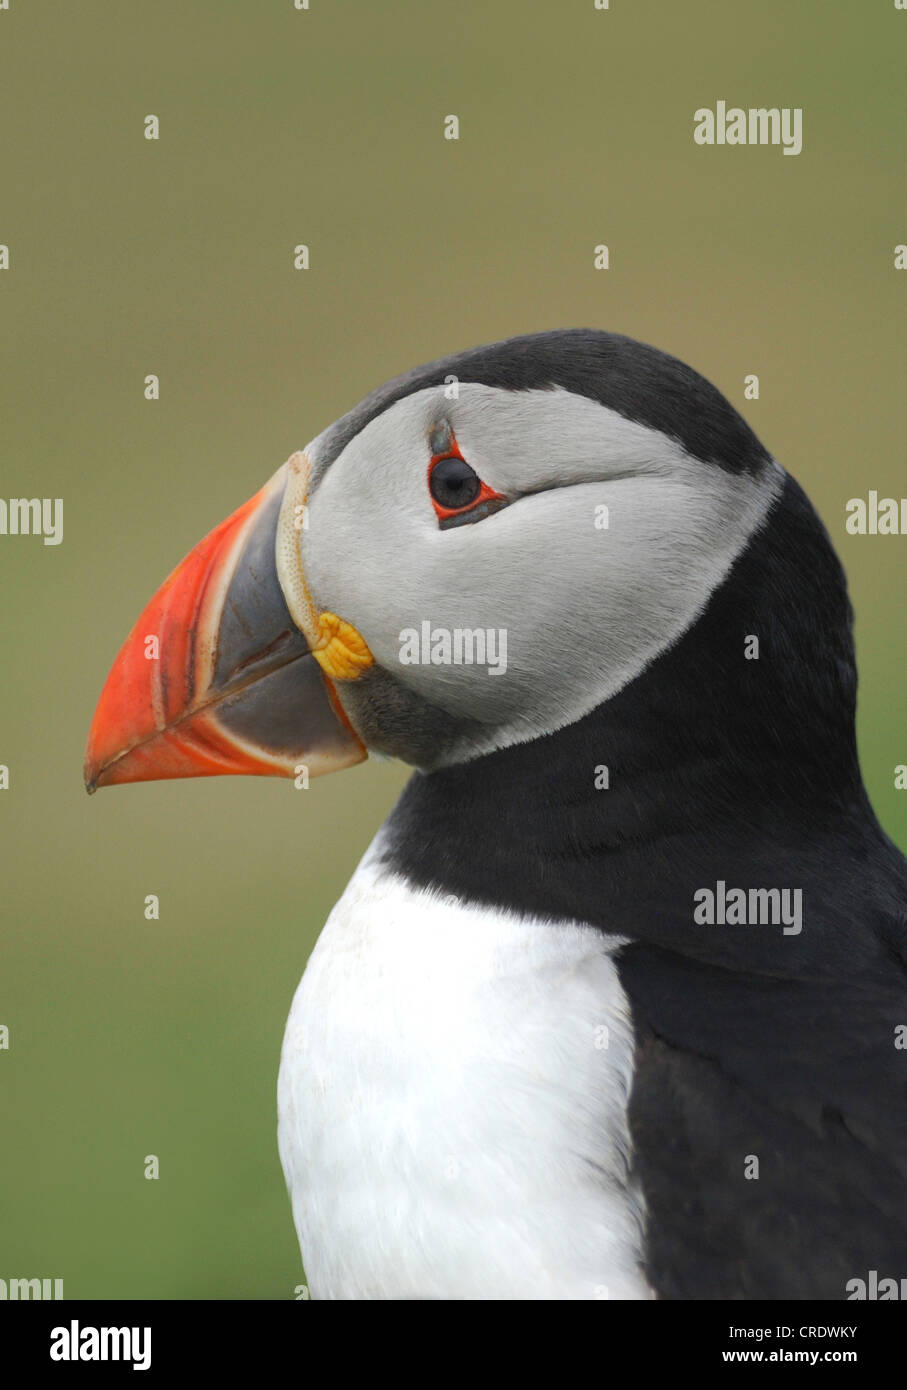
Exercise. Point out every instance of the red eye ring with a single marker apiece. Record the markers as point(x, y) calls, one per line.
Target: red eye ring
point(443, 490)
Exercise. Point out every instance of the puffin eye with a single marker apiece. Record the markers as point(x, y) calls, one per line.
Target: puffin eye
point(458, 494)
point(453, 484)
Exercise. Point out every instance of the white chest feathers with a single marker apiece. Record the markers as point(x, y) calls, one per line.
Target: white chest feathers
point(452, 1104)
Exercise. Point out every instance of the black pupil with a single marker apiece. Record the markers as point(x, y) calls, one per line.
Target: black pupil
point(453, 483)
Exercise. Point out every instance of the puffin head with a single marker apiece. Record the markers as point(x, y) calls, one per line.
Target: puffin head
point(483, 551)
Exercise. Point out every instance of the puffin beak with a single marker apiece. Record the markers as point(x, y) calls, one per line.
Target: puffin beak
point(216, 677)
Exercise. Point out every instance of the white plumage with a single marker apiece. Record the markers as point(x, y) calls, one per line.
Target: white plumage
point(452, 1104)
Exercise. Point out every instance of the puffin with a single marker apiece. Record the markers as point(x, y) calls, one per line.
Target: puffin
point(614, 1005)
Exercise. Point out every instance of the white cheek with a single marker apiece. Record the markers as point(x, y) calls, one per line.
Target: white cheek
point(578, 610)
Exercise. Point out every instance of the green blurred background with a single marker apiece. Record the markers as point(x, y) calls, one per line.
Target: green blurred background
point(174, 257)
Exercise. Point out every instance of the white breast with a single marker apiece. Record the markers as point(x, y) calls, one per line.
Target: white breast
point(452, 1104)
